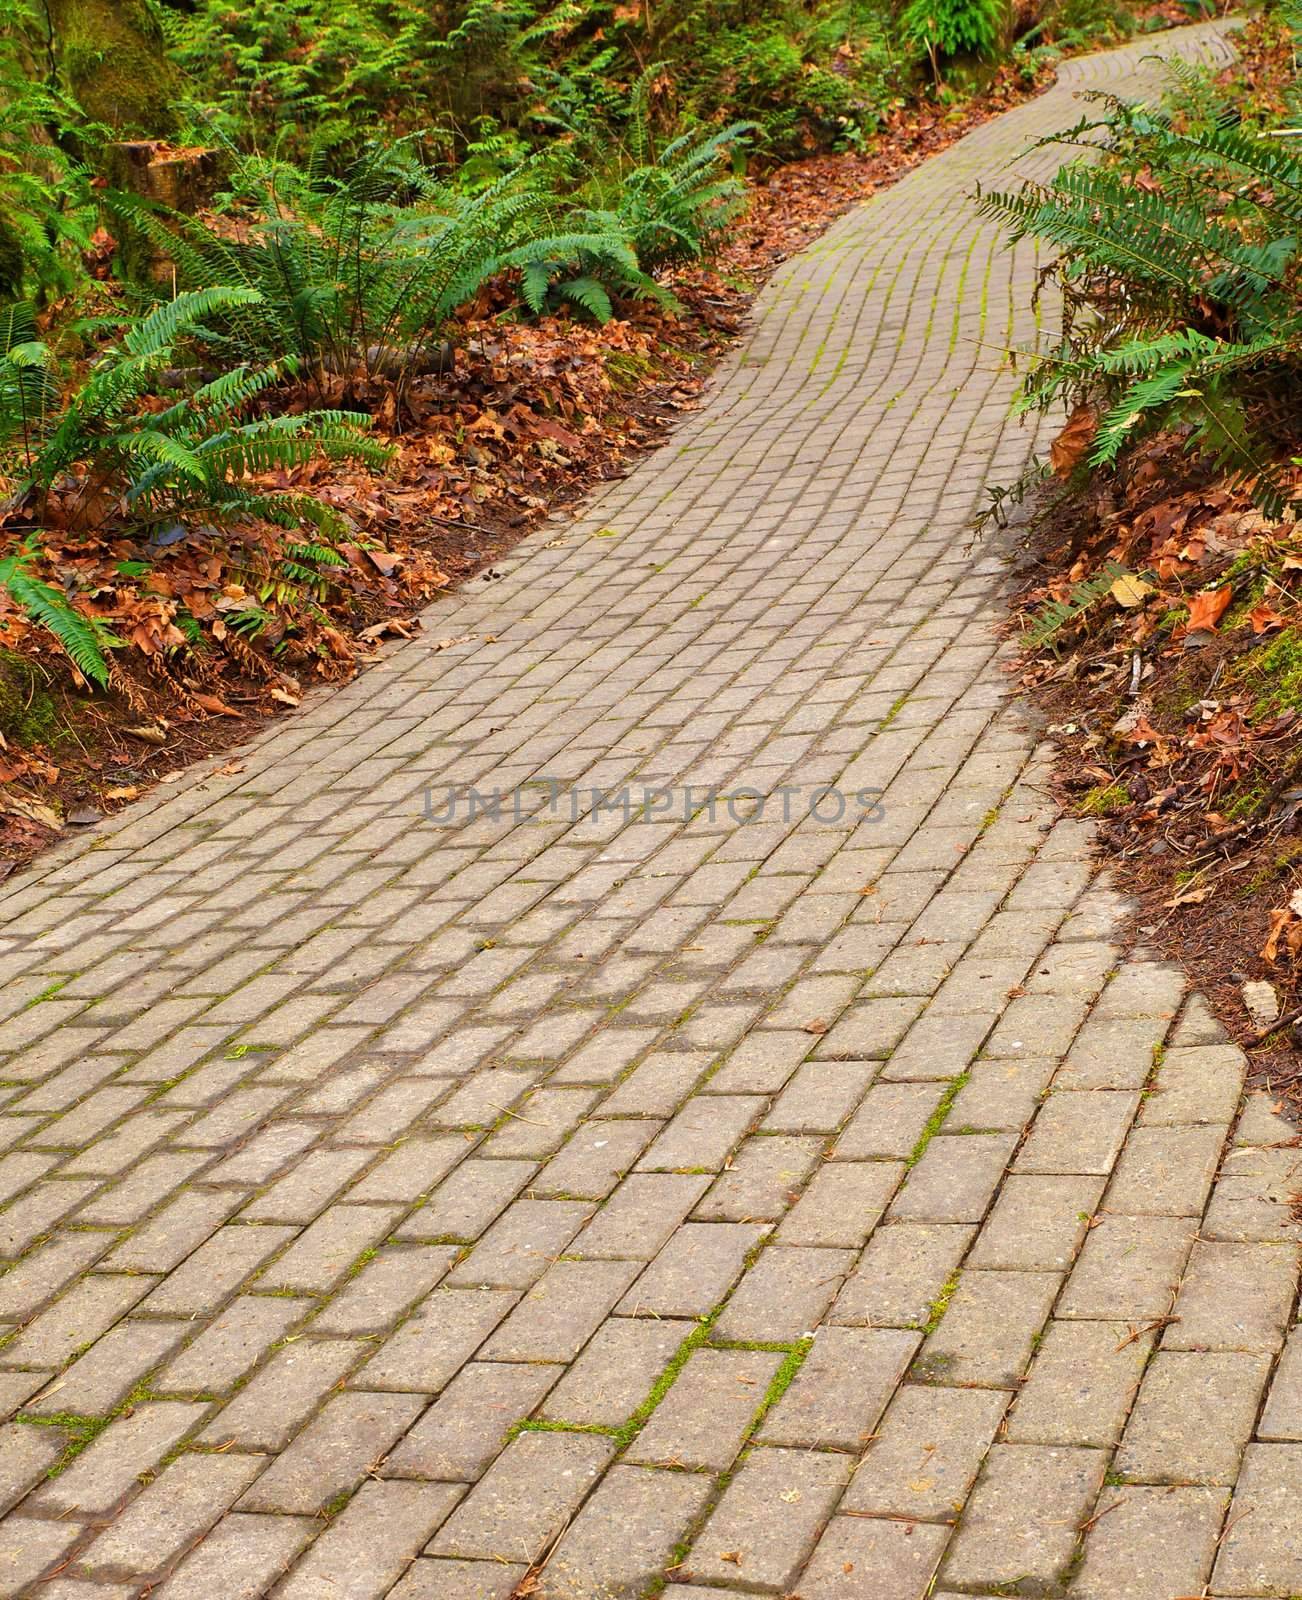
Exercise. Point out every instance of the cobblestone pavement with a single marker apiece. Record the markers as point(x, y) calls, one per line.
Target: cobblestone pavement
point(780, 1203)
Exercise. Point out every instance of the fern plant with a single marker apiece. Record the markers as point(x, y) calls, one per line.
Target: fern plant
point(362, 275)
point(947, 28)
point(1181, 291)
point(102, 459)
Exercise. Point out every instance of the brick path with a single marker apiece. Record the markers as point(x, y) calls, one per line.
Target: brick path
point(393, 1206)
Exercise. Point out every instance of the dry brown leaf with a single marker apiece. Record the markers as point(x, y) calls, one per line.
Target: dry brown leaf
point(1279, 921)
point(1069, 447)
point(211, 702)
point(1263, 618)
point(284, 697)
point(1207, 608)
point(125, 791)
point(147, 735)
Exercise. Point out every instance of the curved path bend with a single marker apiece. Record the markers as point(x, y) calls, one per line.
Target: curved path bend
point(759, 1200)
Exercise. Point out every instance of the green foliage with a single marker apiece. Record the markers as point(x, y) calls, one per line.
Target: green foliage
point(84, 640)
point(361, 275)
point(948, 28)
point(269, 69)
point(47, 212)
point(101, 456)
point(1178, 267)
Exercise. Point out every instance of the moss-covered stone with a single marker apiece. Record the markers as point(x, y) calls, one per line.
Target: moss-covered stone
point(28, 712)
point(111, 57)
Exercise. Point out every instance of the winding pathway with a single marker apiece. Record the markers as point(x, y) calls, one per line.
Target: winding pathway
point(793, 1193)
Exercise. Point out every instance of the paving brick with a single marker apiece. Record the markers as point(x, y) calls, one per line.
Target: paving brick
point(446, 1330)
point(764, 1529)
point(616, 1370)
point(109, 1466)
point(1128, 1267)
point(525, 1498)
point(271, 1408)
point(704, 1418)
point(177, 1508)
point(1261, 1551)
point(1167, 1439)
point(844, 1384)
point(900, 1273)
point(346, 1441)
point(88, 1309)
point(521, 1244)
point(463, 1431)
point(765, 1177)
point(703, 1134)
point(955, 1179)
point(231, 1344)
point(842, 1204)
point(215, 1271)
point(387, 1286)
point(468, 1200)
point(651, 1510)
point(1281, 1418)
point(640, 1217)
point(784, 1295)
point(371, 1542)
point(997, 1543)
point(1002, 1094)
point(460, 1580)
point(28, 1547)
point(1234, 1297)
point(989, 1328)
point(323, 1253)
point(241, 1559)
point(555, 1319)
point(93, 1385)
point(1079, 1132)
point(926, 1453)
point(26, 1455)
point(694, 1271)
point(889, 1122)
point(1165, 1171)
point(1037, 1223)
point(1201, 1083)
point(1150, 1543)
point(863, 1559)
point(1081, 1384)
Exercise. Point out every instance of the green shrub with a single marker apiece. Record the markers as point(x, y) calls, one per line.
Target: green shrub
point(1178, 261)
point(949, 28)
point(101, 457)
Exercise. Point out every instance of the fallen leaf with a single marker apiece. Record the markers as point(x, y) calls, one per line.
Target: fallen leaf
point(1207, 608)
point(18, 805)
point(211, 702)
point(284, 697)
point(1279, 920)
point(1263, 618)
point(147, 735)
point(1188, 897)
point(1075, 439)
point(84, 816)
point(1130, 591)
point(816, 1026)
point(125, 791)
point(229, 769)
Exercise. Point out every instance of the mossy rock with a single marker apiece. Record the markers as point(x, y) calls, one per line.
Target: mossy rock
point(29, 714)
point(112, 58)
